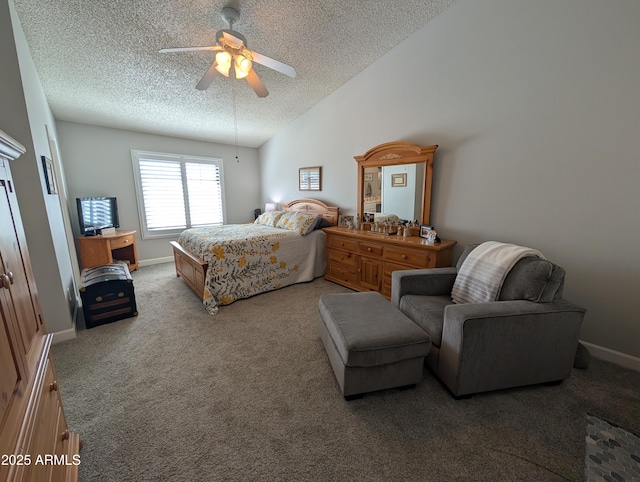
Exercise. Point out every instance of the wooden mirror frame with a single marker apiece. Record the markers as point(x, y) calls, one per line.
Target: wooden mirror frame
point(394, 154)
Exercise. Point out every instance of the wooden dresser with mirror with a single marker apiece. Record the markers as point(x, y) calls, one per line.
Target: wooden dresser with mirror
point(394, 179)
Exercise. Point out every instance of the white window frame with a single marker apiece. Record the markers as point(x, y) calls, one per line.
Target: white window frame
point(136, 155)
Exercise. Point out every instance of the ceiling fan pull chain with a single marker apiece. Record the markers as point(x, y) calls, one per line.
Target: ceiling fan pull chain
point(235, 120)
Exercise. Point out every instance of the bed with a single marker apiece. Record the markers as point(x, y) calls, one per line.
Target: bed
point(222, 264)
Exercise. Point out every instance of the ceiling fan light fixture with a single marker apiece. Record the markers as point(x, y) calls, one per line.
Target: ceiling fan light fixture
point(223, 59)
point(243, 66)
point(233, 59)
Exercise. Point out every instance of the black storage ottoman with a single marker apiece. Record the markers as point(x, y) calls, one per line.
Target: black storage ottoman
point(107, 294)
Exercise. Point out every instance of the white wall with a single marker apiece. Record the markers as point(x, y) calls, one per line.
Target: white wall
point(535, 107)
point(97, 162)
point(26, 117)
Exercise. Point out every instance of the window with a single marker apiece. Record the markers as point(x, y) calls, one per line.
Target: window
point(177, 192)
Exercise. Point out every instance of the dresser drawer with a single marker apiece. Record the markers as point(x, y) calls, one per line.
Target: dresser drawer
point(341, 257)
point(121, 242)
point(45, 429)
point(342, 243)
point(371, 249)
point(419, 259)
point(386, 279)
point(343, 273)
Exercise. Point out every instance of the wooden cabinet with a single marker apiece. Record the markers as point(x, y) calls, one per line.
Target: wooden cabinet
point(33, 428)
point(97, 250)
point(364, 261)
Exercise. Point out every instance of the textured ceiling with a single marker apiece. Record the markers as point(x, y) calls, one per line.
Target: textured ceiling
point(99, 64)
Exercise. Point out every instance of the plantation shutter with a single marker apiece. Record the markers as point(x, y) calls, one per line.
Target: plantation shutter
point(177, 192)
point(162, 194)
point(205, 195)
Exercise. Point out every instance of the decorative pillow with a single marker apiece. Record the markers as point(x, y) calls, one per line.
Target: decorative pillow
point(322, 223)
point(269, 218)
point(301, 223)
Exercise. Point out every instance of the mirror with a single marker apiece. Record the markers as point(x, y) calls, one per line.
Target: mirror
point(394, 190)
point(395, 178)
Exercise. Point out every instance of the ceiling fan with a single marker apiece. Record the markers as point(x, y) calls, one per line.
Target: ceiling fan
point(234, 59)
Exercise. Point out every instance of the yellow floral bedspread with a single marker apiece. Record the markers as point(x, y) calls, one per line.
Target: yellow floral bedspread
point(248, 259)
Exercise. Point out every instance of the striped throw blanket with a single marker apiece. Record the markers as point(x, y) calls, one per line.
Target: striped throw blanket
point(484, 270)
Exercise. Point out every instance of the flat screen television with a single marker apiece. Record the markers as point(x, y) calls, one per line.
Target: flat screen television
point(97, 213)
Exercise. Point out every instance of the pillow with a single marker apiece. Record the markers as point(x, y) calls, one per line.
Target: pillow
point(269, 218)
point(301, 223)
point(533, 279)
point(322, 223)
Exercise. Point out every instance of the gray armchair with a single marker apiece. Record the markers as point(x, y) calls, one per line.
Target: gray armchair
point(529, 336)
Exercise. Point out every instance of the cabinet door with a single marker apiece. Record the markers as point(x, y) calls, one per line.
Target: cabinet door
point(370, 273)
point(22, 288)
point(13, 381)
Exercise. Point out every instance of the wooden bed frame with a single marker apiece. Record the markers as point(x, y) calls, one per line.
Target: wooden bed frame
point(193, 270)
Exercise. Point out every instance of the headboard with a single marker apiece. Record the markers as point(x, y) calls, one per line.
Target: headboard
point(313, 206)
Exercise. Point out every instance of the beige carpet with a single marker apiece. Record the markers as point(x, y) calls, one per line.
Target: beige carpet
point(176, 394)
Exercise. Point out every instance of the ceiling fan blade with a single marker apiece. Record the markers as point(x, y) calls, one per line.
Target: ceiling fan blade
point(208, 77)
point(273, 64)
point(256, 84)
point(233, 40)
point(188, 49)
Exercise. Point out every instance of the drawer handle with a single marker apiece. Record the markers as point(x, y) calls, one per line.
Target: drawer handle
point(341, 244)
point(404, 256)
point(369, 249)
point(64, 435)
point(10, 276)
point(6, 282)
point(53, 387)
point(126, 240)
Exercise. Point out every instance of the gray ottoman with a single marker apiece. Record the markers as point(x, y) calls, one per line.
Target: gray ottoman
point(371, 345)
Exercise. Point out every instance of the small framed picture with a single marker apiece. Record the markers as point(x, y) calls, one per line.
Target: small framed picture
point(346, 221)
point(424, 230)
point(49, 175)
point(399, 180)
point(310, 178)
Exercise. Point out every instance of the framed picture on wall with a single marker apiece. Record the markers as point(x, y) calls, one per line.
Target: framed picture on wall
point(399, 180)
point(310, 178)
point(49, 175)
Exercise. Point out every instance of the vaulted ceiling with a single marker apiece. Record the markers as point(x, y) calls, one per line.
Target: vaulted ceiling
point(99, 63)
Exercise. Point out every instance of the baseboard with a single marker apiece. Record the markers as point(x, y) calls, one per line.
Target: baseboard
point(613, 356)
point(64, 335)
point(149, 262)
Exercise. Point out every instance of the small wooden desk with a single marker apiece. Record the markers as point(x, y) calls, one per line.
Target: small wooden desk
point(97, 250)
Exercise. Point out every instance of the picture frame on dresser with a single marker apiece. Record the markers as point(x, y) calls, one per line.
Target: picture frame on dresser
point(424, 230)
